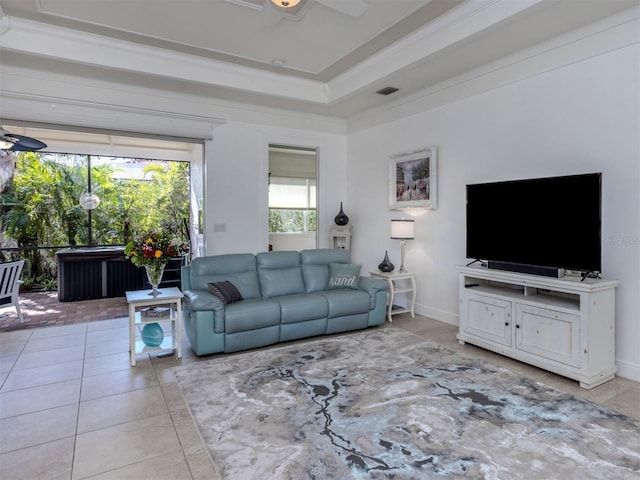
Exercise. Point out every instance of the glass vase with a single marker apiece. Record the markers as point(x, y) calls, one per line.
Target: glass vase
point(154, 275)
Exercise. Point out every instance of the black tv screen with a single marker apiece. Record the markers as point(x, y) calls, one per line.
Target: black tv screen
point(550, 222)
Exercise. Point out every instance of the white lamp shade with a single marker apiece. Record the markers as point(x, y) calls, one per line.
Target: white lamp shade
point(402, 229)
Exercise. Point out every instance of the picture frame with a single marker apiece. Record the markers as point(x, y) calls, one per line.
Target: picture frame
point(412, 179)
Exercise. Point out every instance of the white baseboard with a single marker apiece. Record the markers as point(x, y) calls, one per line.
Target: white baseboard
point(628, 370)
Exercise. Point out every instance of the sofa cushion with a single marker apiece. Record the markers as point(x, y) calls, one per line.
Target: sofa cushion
point(345, 301)
point(238, 268)
point(225, 291)
point(300, 308)
point(251, 315)
point(315, 266)
point(343, 275)
point(279, 273)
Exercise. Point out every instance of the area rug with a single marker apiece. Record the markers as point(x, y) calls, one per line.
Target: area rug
point(385, 403)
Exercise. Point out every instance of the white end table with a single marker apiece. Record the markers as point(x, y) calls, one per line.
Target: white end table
point(139, 299)
point(398, 283)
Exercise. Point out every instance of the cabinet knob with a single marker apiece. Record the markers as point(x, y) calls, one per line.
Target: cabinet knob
point(506, 324)
point(517, 326)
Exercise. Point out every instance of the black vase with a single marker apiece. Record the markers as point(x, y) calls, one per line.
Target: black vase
point(341, 218)
point(386, 266)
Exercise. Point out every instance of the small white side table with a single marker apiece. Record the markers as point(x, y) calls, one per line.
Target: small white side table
point(137, 300)
point(340, 237)
point(398, 283)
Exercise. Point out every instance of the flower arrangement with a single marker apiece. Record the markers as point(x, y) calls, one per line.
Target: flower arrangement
point(154, 249)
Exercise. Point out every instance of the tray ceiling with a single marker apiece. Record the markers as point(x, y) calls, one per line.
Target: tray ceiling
point(314, 58)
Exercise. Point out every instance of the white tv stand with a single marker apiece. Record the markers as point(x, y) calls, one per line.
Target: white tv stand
point(564, 325)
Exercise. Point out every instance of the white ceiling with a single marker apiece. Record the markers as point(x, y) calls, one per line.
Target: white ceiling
point(314, 59)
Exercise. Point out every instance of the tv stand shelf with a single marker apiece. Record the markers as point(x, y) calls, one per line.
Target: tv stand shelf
point(564, 325)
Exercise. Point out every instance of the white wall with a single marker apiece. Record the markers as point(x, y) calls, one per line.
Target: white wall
point(292, 241)
point(583, 117)
point(237, 183)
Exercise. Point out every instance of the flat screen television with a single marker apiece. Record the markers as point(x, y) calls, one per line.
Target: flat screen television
point(547, 222)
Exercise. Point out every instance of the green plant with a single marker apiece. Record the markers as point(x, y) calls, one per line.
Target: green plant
point(49, 284)
point(39, 204)
point(27, 283)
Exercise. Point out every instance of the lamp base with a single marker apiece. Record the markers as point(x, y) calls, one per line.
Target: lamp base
point(402, 270)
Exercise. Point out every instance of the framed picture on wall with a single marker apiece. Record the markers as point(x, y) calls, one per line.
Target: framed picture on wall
point(412, 179)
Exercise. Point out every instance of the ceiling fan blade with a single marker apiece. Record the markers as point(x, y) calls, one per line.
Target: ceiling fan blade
point(23, 144)
point(354, 8)
point(271, 15)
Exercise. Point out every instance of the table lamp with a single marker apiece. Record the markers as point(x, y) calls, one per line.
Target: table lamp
point(402, 230)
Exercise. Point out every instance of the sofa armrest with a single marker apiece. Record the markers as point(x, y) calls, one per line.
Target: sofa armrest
point(202, 300)
point(373, 285)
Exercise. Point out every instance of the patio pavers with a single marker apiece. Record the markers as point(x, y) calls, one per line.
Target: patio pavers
point(42, 309)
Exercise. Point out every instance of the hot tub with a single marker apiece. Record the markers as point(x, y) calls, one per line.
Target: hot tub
point(96, 272)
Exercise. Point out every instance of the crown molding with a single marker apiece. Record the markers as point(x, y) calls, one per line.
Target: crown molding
point(613, 33)
point(50, 41)
point(458, 25)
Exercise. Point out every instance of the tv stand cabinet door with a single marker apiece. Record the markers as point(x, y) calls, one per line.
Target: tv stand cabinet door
point(549, 334)
point(487, 318)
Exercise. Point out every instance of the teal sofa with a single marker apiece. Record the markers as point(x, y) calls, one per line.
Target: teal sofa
point(284, 297)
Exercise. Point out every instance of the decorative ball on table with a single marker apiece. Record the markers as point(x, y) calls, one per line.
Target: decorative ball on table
point(152, 334)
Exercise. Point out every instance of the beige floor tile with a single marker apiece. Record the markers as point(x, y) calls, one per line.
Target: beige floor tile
point(50, 357)
point(16, 336)
point(182, 419)
point(107, 335)
point(33, 377)
point(39, 427)
point(123, 445)
point(115, 323)
point(48, 461)
point(121, 408)
point(107, 364)
point(171, 466)
point(627, 403)
point(11, 348)
point(34, 399)
point(120, 381)
point(7, 362)
point(200, 464)
point(609, 390)
point(49, 332)
point(107, 348)
point(54, 343)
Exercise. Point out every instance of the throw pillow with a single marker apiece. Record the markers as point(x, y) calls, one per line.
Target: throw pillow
point(225, 291)
point(343, 275)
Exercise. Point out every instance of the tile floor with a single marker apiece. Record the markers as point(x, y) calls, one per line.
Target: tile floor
point(71, 407)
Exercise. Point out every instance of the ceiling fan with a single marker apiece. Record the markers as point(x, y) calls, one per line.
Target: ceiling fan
point(19, 143)
point(275, 10)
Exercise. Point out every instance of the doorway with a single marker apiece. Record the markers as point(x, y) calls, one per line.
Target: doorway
point(293, 192)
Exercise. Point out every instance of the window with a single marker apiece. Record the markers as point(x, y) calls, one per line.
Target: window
point(41, 207)
point(292, 205)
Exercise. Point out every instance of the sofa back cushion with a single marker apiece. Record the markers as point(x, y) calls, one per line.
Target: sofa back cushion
point(279, 273)
point(315, 266)
point(238, 268)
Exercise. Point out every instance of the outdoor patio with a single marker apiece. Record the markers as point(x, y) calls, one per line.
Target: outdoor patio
point(42, 309)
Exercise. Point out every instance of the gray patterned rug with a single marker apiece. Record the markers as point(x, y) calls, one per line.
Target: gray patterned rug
point(384, 403)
